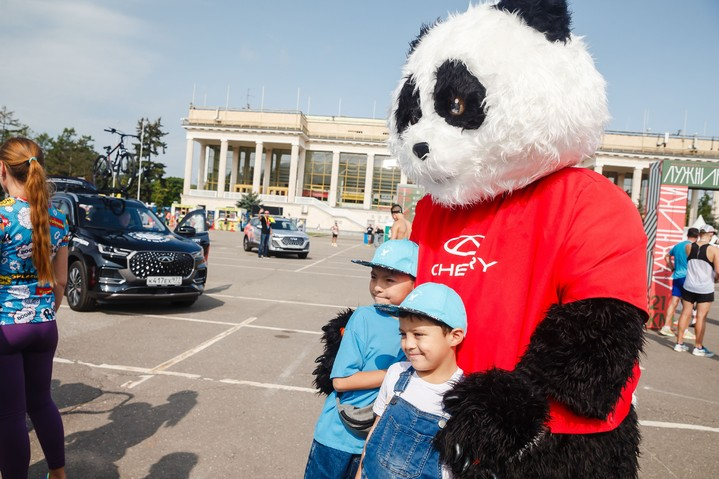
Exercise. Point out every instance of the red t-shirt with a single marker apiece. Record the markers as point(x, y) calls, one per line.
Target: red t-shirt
point(570, 236)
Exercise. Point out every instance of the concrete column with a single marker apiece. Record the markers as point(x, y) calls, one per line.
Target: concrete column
point(694, 206)
point(636, 184)
point(268, 171)
point(235, 165)
point(202, 167)
point(369, 174)
point(620, 180)
point(189, 155)
point(332, 198)
point(222, 169)
point(292, 183)
point(301, 172)
point(402, 178)
point(598, 167)
point(257, 174)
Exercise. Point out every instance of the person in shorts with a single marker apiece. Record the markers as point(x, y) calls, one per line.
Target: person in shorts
point(702, 274)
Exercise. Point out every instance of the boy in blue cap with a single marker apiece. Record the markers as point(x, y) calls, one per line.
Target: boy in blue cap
point(409, 408)
point(369, 345)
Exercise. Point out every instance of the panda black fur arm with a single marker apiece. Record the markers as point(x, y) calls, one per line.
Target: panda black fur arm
point(331, 337)
point(582, 353)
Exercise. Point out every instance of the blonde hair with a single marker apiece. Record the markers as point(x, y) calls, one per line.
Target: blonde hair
point(26, 163)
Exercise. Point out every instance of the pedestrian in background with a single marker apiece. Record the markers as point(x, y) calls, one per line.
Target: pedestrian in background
point(335, 230)
point(702, 274)
point(265, 231)
point(676, 260)
point(33, 273)
point(401, 228)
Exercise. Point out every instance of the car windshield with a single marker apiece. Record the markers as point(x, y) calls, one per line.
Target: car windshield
point(284, 225)
point(109, 213)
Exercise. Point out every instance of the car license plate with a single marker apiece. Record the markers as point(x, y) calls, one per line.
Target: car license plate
point(164, 280)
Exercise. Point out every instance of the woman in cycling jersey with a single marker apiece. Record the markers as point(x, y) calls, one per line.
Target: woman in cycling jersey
point(33, 271)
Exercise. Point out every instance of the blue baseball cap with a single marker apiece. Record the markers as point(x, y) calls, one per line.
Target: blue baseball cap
point(434, 300)
point(397, 255)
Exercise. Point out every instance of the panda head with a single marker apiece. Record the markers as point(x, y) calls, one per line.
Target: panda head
point(494, 98)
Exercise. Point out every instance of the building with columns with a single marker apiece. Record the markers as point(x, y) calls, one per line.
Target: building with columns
point(324, 169)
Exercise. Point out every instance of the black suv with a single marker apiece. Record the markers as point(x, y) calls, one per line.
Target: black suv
point(120, 250)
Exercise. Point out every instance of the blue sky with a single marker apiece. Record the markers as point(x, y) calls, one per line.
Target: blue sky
point(91, 64)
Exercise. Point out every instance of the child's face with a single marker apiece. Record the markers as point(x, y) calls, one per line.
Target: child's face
point(389, 287)
point(426, 344)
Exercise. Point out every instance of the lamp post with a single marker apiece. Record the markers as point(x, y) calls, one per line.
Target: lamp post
point(139, 166)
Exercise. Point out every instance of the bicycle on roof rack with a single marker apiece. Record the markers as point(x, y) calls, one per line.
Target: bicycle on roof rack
point(115, 175)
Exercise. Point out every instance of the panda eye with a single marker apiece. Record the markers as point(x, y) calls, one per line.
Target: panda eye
point(457, 106)
point(409, 110)
point(459, 96)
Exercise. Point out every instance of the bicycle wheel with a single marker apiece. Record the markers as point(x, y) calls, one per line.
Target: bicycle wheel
point(102, 174)
point(126, 171)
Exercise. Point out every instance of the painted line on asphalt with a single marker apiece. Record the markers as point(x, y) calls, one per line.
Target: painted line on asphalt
point(132, 384)
point(222, 323)
point(676, 425)
point(146, 371)
point(683, 396)
point(325, 259)
point(268, 385)
point(279, 301)
point(191, 352)
point(284, 330)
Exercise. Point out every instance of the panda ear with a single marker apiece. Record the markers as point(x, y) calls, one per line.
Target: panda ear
point(422, 32)
point(550, 17)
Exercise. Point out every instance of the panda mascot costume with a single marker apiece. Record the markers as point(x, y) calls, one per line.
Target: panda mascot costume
point(495, 108)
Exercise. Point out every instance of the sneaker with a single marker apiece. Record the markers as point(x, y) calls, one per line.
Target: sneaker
point(688, 334)
point(703, 352)
point(667, 331)
point(681, 347)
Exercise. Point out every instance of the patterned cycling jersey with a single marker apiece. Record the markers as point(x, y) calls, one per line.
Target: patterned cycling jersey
point(24, 299)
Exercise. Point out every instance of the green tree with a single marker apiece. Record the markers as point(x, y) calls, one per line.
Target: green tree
point(68, 155)
point(11, 126)
point(152, 172)
point(167, 191)
point(704, 209)
point(249, 201)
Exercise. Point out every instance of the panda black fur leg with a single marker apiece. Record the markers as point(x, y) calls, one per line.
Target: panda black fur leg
point(494, 416)
point(583, 352)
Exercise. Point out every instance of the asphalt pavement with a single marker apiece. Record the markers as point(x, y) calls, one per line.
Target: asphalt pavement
point(224, 388)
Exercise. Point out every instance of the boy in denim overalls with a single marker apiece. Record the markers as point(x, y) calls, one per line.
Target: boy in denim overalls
point(432, 322)
point(369, 345)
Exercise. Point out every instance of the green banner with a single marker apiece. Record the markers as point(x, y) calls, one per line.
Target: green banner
point(692, 174)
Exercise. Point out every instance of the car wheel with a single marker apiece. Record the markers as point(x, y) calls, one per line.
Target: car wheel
point(302, 255)
point(78, 296)
point(185, 303)
point(246, 244)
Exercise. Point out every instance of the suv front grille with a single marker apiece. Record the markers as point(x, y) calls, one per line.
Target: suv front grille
point(292, 241)
point(160, 263)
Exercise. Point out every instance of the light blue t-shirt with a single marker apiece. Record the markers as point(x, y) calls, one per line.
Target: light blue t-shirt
point(679, 253)
point(370, 342)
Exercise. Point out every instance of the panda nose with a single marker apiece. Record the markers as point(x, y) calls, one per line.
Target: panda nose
point(421, 150)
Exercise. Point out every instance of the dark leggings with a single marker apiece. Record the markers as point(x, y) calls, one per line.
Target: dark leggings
point(26, 353)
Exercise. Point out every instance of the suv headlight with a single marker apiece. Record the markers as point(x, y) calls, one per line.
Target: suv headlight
point(113, 251)
point(199, 254)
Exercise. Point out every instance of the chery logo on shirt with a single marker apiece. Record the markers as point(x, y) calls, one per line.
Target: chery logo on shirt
point(464, 246)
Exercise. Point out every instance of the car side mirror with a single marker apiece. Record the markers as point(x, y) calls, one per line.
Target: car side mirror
point(185, 230)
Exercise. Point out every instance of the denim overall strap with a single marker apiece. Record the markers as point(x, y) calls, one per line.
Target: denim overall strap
point(403, 381)
point(400, 446)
